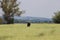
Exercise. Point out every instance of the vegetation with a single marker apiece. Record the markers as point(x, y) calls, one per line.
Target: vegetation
point(1, 20)
point(34, 32)
point(10, 8)
point(56, 18)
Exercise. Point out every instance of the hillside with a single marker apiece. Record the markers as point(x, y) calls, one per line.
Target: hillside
point(32, 19)
point(18, 19)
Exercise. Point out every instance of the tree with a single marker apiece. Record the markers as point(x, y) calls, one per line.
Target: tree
point(56, 18)
point(10, 8)
point(1, 20)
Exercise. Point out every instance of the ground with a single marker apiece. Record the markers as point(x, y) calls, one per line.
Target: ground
point(34, 32)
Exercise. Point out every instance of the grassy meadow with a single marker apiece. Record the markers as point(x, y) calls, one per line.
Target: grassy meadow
point(34, 32)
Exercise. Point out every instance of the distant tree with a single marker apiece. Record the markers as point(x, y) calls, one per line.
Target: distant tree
point(56, 18)
point(50, 22)
point(1, 21)
point(45, 21)
point(10, 8)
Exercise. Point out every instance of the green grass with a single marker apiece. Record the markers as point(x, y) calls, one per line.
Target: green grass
point(34, 32)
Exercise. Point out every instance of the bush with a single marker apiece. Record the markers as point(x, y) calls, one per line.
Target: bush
point(1, 21)
point(56, 18)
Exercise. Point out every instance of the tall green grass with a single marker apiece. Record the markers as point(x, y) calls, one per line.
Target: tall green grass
point(34, 32)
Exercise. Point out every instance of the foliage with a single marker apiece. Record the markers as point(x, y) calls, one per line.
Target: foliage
point(56, 18)
point(10, 8)
point(1, 20)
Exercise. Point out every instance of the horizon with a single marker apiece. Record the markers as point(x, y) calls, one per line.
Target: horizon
point(28, 16)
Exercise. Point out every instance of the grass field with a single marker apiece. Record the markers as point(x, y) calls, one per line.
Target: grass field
point(34, 32)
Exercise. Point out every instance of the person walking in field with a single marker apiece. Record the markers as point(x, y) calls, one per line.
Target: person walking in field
point(28, 24)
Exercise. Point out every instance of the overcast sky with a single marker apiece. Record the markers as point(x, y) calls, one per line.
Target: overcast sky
point(40, 8)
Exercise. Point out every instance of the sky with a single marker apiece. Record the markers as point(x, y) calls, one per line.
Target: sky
point(39, 8)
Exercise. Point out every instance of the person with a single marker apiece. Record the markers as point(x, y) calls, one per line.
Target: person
point(28, 24)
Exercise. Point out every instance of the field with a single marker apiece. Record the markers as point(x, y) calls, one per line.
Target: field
point(34, 32)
